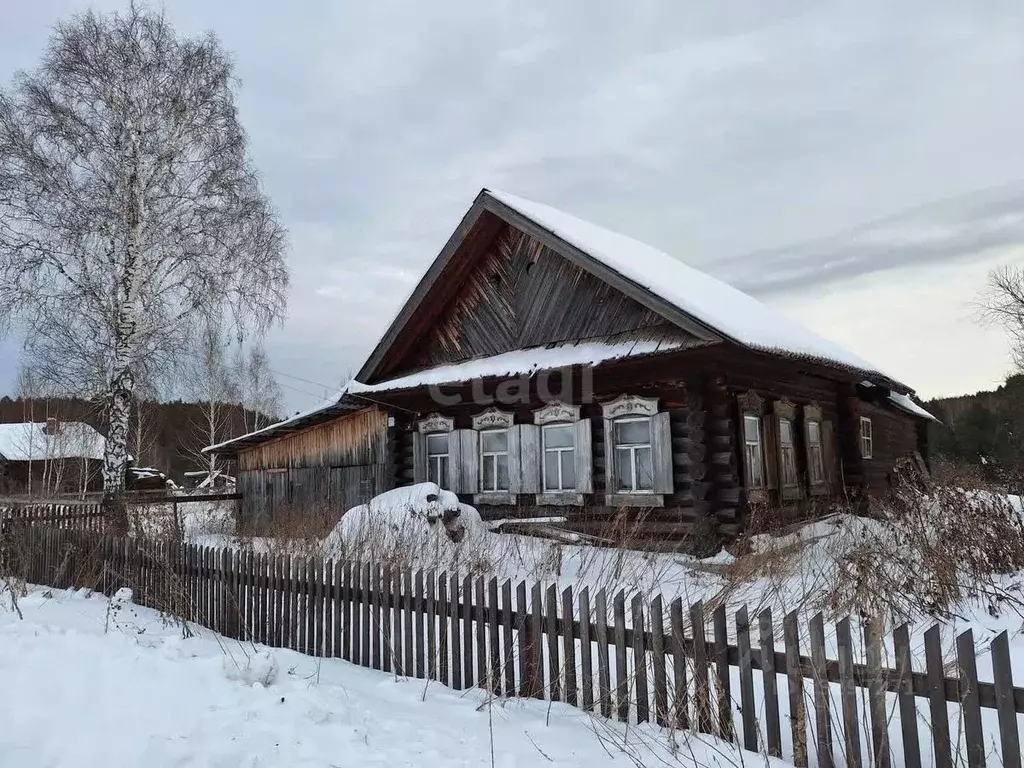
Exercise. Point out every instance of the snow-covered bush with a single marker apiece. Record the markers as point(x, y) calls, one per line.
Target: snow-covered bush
point(418, 525)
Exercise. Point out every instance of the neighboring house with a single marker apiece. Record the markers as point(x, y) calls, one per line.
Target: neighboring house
point(545, 366)
point(50, 457)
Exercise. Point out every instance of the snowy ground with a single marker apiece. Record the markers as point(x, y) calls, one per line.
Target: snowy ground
point(85, 682)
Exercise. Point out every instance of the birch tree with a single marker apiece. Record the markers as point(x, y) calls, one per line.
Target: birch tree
point(130, 213)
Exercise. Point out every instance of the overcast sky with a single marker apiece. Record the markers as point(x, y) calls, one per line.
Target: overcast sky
point(857, 165)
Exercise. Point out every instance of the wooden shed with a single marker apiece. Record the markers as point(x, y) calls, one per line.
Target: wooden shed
point(547, 367)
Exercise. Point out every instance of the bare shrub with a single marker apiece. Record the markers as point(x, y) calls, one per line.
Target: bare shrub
point(930, 552)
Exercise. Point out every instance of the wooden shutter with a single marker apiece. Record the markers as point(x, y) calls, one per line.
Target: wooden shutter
point(770, 438)
point(828, 451)
point(455, 464)
point(609, 457)
point(530, 457)
point(584, 457)
point(813, 413)
point(419, 458)
point(514, 460)
point(469, 448)
point(661, 452)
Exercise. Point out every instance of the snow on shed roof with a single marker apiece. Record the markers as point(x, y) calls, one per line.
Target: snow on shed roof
point(712, 302)
point(904, 403)
point(28, 441)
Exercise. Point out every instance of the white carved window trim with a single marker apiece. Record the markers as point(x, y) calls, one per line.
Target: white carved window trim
point(435, 462)
point(629, 405)
point(630, 408)
point(435, 422)
point(556, 413)
point(489, 421)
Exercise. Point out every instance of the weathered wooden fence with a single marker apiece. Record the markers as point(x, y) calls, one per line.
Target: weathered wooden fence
point(83, 516)
point(744, 678)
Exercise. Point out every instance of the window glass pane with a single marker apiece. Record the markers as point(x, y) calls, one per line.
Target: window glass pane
point(558, 437)
point(624, 469)
point(495, 441)
point(813, 432)
point(437, 444)
point(788, 466)
point(502, 472)
point(644, 470)
point(487, 474)
point(633, 432)
point(568, 471)
point(785, 431)
point(432, 473)
point(551, 471)
point(751, 426)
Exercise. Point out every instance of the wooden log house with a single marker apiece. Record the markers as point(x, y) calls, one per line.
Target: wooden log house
point(546, 367)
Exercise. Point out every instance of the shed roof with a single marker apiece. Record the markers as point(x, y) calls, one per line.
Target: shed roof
point(28, 441)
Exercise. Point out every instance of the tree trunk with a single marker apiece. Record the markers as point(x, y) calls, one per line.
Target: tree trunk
point(115, 456)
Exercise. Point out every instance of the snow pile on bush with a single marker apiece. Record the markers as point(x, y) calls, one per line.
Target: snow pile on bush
point(258, 668)
point(418, 524)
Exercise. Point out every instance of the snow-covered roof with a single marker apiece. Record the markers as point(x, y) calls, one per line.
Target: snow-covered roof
point(520, 361)
point(28, 441)
point(329, 406)
point(904, 403)
point(719, 306)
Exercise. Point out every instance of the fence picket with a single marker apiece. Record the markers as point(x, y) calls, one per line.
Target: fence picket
point(523, 641)
point(467, 632)
point(604, 681)
point(942, 755)
point(366, 624)
point(680, 700)
point(456, 636)
point(658, 669)
point(508, 648)
point(535, 645)
point(1002, 672)
point(876, 694)
point(848, 695)
point(747, 714)
point(722, 676)
point(348, 612)
point(795, 684)
point(339, 618)
point(569, 647)
point(431, 621)
point(551, 631)
point(770, 683)
point(407, 624)
point(438, 669)
point(906, 698)
point(586, 652)
point(643, 712)
point(621, 672)
point(701, 680)
point(970, 704)
point(383, 607)
point(421, 607)
point(480, 624)
point(494, 637)
point(822, 694)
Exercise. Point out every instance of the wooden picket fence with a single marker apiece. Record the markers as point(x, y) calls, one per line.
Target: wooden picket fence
point(737, 677)
point(82, 516)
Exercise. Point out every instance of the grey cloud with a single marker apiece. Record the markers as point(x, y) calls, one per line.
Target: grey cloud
point(721, 132)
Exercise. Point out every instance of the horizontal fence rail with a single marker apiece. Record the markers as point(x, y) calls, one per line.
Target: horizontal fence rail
point(746, 678)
